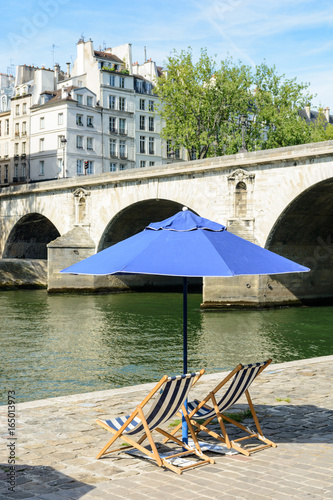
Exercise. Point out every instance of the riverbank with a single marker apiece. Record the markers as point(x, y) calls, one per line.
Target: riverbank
point(57, 441)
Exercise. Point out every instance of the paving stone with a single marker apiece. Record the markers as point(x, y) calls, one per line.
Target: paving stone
point(57, 461)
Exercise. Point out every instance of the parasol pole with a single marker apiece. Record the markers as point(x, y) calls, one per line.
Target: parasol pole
point(184, 423)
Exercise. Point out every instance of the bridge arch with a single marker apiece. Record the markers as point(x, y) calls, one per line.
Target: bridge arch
point(303, 233)
point(134, 218)
point(29, 237)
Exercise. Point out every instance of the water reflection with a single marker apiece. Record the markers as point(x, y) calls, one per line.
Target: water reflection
point(66, 344)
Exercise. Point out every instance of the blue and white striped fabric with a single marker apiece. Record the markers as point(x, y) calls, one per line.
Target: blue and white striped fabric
point(169, 400)
point(241, 382)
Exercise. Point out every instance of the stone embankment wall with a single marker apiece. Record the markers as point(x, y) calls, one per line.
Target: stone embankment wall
point(23, 273)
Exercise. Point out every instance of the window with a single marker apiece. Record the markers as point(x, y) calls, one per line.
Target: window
point(169, 149)
point(112, 80)
point(6, 173)
point(16, 148)
point(89, 101)
point(142, 144)
point(80, 83)
point(121, 103)
point(90, 143)
point(112, 102)
point(151, 124)
point(79, 120)
point(79, 142)
point(7, 127)
point(24, 128)
point(113, 167)
point(122, 166)
point(24, 148)
point(151, 163)
point(79, 167)
point(121, 82)
point(60, 118)
point(142, 123)
point(41, 167)
point(90, 121)
point(151, 145)
point(122, 126)
point(112, 124)
point(113, 147)
point(59, 165)
point(151, 105)
point(41, 123)
point(142, 164)
point(17, 129)
point(139, 86)
point(16, 170)
point(122, 149)
point(24, 108)
point(142, 104)
point(79, 99)
point(171, 153)
point(90, 167)
point(17, 110)
point(41, 145)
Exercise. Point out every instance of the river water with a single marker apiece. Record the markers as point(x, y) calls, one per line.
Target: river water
point(55, 345)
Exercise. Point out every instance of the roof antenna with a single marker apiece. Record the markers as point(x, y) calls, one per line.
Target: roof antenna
point(145, 51)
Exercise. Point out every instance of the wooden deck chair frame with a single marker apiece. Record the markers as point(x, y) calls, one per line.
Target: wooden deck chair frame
point(140, 419)
point(212, 407)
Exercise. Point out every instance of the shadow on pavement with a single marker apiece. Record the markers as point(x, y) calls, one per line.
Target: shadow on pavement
point(29, 481)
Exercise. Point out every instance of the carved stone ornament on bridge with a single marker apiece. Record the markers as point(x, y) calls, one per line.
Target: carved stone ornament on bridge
point(241, 175)
point(80, 192)
point(80, 196)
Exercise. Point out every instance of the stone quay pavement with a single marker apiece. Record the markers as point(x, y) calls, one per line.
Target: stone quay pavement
point(58, 439)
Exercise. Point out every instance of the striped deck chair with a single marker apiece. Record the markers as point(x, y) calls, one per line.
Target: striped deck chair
point(201, 414)
point(171, 393)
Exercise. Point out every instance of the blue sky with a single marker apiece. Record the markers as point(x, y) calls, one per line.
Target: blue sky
point(295, 35)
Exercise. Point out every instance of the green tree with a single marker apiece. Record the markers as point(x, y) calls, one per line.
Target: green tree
point(321, 130)
point(276, 103)
point(201, 104)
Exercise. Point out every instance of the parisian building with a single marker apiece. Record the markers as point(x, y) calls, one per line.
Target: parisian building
point(98, 116)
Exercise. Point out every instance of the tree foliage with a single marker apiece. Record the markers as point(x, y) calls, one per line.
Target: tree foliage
point(202, 102)
point(321, 130)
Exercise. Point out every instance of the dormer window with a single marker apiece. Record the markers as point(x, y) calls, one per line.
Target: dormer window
point(79, 99)
point(89, 101)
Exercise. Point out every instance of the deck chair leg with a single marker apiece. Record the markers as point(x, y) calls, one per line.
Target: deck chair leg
point(220, 421)
point(256, 421)
point(150, 439)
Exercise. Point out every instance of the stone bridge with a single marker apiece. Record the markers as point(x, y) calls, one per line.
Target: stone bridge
point(281, 199)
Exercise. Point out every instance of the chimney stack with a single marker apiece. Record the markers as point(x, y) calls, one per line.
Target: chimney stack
point(68, 74)
point(327, 114)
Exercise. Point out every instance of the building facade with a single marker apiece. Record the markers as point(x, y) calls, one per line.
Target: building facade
point(98, 117)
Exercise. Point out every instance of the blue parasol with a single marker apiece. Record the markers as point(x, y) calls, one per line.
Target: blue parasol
point(185, 245)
